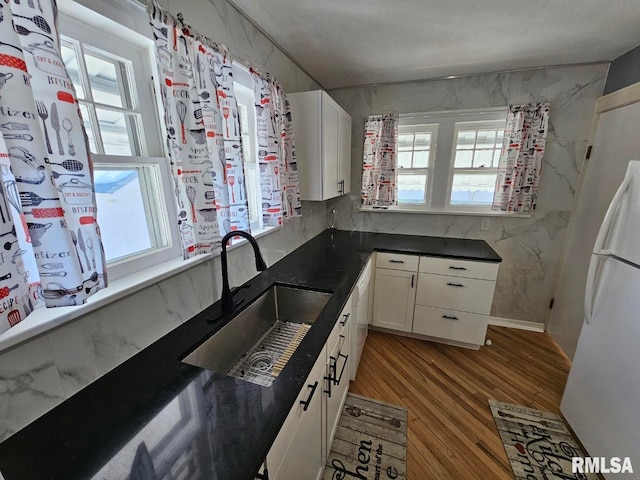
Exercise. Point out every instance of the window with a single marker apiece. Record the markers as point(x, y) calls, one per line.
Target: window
point(112, 76)
point(415, 155)
point(243, 86)
point(447, 161)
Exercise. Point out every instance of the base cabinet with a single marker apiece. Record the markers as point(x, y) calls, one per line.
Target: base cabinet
point(394, 297)
point(302, 445)
point(441, 298)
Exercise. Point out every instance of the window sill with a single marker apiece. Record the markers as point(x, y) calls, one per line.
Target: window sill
point(476, 213)
point(42, 320)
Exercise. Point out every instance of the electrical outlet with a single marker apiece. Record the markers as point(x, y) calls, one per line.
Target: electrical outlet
point(484, 225)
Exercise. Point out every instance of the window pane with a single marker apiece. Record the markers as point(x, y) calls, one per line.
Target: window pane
point(115, 132)
point(421, 159)
point(473, 189)
point(120, 200)
point(496, 157)
point(486, 139)
point(500, 138)
point(71, 62)
point(482, 158)
point(423, 140)
point(466, 139)
point(405, 142)
point(103, 78)
point(412, 188)
point(86, 119)
point(463, 159)
point(404, 159)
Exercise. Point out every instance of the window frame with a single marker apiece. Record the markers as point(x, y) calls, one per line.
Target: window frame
point(431, 128)
point(242, 77)
point(160, 204)
point(442, 168)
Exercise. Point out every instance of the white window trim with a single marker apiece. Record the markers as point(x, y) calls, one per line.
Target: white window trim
point(442, 166)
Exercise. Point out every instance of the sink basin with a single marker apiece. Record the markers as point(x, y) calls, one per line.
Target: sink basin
point(257, 343)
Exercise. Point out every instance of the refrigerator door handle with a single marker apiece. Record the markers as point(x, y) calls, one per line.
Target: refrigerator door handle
point(591, 290)
point(603, 234)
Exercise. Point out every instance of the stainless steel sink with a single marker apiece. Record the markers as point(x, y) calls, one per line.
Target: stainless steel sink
point(256, 344)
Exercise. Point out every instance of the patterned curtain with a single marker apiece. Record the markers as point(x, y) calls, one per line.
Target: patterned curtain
point(52, 252)
point(203, 134)
point(520, 163)
point(276, 152)
point(379, 172)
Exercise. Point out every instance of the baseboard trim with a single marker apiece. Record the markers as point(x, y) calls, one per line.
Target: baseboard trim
point(519, 324)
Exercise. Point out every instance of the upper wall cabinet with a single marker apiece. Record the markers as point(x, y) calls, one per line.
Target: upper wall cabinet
point(323, 145)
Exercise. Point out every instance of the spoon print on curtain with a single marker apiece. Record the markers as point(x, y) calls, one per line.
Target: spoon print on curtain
point(276, 153)
point(203, 134)
point(47, 217)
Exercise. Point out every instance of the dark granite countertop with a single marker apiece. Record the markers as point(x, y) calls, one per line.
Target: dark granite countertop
point(155, 413)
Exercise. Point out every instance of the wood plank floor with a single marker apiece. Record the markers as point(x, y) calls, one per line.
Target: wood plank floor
point(451, 432)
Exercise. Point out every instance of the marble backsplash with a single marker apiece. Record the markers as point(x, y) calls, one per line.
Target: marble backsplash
point(531, 247)
point(37, 375)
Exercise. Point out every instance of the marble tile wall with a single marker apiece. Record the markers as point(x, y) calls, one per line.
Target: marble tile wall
point(37, 375)
point(531, 247)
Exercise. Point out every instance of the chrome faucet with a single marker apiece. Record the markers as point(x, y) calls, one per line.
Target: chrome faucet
point(226, 301)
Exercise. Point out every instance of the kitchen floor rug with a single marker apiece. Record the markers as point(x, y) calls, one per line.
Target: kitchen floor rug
point(538, 443)
point(370, 441)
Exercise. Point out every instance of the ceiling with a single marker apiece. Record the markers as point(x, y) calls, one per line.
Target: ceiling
point(360, 42)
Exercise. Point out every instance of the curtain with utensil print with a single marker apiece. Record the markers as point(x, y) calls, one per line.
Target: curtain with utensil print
point(379, 165)
point(51, 251)
point(520, 164)
point(276, 152)
point(203, 133)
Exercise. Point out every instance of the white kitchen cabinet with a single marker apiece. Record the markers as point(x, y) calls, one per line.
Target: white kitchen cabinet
point(337, 379)
point(297, 451)
point(394, 297)
point(302, 445)
point(322, 132)
point(454, 298)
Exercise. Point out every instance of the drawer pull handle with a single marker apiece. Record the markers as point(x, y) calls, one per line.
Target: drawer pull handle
point(396, 261)
point(346, 319)
point(457, 268)
point(454, 284)
point(449, 317)
point(308, 400)
point(336, 381)
point(412, 277)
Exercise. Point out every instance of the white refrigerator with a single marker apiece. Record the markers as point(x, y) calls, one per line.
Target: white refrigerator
point(601, 400)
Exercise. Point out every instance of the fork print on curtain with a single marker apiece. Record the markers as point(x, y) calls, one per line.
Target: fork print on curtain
point(203, 134)
point(276, 152)
point(47, 218)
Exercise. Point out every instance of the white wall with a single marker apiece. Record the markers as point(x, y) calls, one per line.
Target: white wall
point(37, 375)
point(530, 247)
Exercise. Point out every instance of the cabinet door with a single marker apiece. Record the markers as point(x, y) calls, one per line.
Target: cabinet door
point(394, 298)
point(337, 385)
point(344, 151)
point(302, 427)
point(330, 173)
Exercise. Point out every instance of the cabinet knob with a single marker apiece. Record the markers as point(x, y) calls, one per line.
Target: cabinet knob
point(449, 317)
point(346, 318)
point(449, 284)
point(457, 268)
point(396, 261)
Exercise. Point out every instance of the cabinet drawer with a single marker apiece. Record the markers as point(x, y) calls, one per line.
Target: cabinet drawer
point(459, 268)
point(450, 324)
point(397, 261)
point(466, 294)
